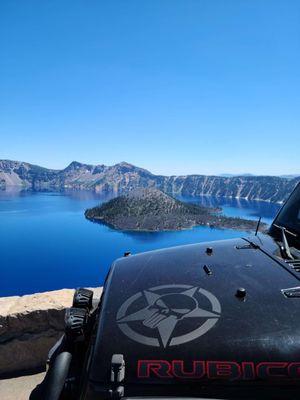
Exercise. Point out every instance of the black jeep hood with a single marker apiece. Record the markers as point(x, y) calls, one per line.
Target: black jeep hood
point(179, 305)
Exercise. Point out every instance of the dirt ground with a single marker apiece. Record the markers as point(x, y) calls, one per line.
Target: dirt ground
point(19, 388)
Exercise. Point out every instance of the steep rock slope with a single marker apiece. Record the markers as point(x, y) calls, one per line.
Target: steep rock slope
point(124, 177)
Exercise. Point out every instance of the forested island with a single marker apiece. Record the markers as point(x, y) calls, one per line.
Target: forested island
point(154, 210)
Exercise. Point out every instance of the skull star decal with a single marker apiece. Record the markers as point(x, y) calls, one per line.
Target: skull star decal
point(163, 308)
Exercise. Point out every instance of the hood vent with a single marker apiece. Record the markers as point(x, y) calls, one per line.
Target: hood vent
point(295, 264)
point(291, 292)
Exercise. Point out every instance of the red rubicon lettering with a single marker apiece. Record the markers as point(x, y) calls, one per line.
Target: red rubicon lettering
point(294, 370)
point(223, 370)
point(158, 368)
point(265, 370)
point(248, 369)
point(197, 371)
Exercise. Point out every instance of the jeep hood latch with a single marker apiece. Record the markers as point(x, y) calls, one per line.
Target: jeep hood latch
point(117, 375)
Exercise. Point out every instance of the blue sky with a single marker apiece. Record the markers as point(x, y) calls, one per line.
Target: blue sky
point(177, 87)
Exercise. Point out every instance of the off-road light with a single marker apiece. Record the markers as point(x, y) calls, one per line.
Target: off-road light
point(75, 322)
point(83, 298)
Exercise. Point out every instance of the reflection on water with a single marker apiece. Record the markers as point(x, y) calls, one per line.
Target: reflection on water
point(242, 208)
point(46, 242)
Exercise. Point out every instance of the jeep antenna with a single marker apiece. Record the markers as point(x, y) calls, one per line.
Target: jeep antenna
point(257, 226)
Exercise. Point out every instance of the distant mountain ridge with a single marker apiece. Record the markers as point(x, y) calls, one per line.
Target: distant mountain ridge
point(124, 177)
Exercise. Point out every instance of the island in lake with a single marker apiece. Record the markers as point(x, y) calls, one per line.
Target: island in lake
point(153, 210)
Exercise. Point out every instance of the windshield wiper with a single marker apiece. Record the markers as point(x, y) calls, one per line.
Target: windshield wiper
point(285, 230)
point(285, 248)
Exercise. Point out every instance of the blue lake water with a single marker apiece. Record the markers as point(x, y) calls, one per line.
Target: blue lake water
point(46, 243)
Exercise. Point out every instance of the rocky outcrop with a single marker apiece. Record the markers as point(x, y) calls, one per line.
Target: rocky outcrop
point(124, 177)
point(154, 210)
point(29, 326)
